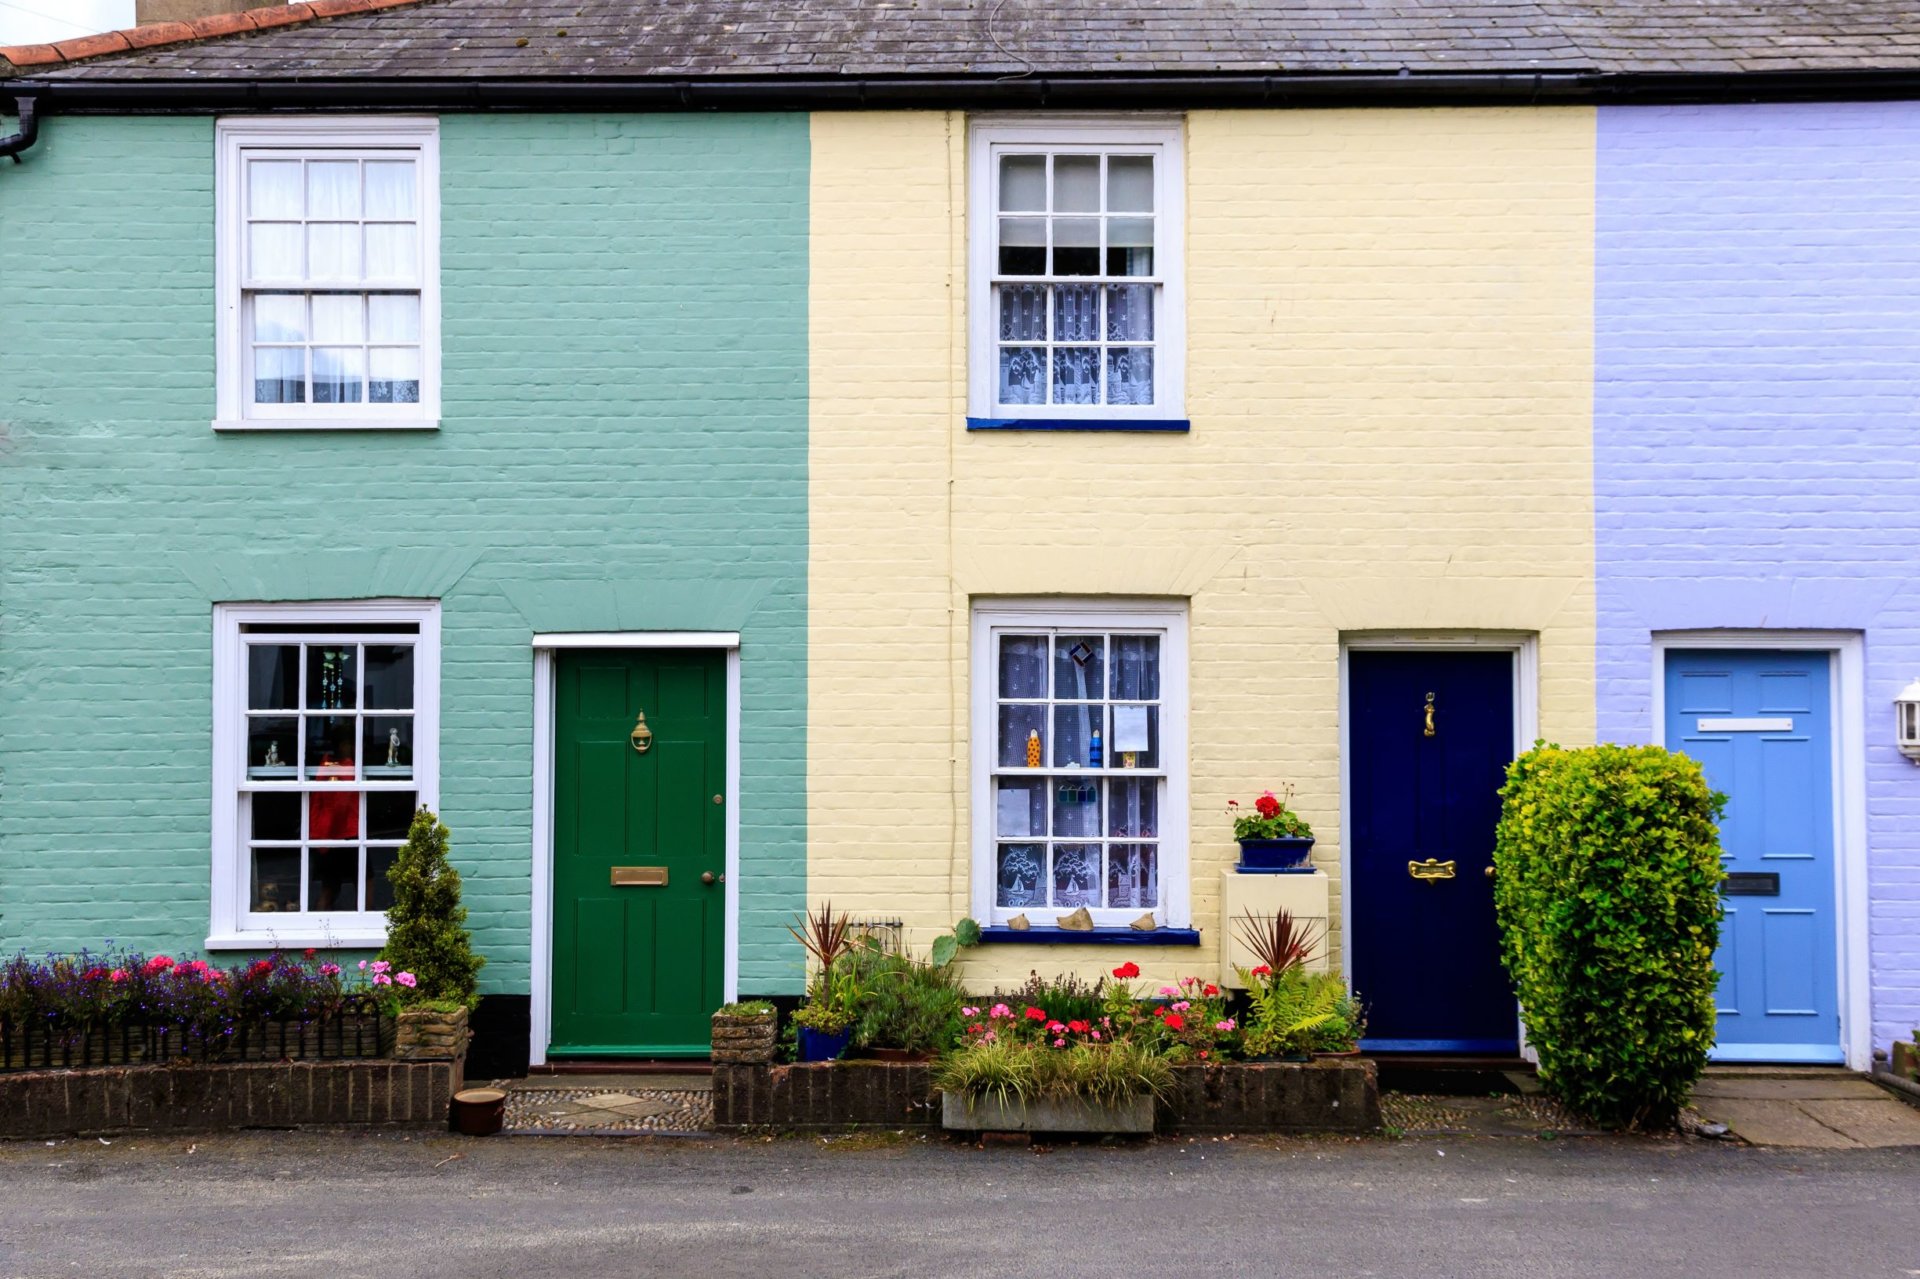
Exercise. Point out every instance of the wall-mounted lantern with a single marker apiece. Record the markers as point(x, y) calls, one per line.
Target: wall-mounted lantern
point(1906, 709)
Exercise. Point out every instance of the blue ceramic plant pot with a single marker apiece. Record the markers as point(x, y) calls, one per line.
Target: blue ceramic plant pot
point(1289, 854)
point(819, 1045)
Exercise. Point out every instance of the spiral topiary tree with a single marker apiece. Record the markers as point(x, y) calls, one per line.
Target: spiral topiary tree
point(426, 925)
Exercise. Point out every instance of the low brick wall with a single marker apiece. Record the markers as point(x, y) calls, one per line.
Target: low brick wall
point(1327, 1095)
point(843, 1094)
point(117, 1099)
point(1339, 1094)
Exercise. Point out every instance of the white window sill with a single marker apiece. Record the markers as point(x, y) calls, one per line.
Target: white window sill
point(328, 424)
point(298, 939)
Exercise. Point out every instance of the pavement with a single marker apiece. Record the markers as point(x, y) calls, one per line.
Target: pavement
point(1806, 1108)
point(382, 1206)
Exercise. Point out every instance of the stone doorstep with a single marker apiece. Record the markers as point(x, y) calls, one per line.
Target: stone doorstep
point(608, 1083)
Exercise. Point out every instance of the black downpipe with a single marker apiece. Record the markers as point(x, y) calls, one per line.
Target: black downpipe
point(14, 143)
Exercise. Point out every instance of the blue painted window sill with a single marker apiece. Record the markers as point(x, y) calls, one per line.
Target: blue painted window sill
point(1175, 424)
point(1097, 937)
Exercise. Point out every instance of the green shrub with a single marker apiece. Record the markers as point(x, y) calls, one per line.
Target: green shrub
point(1103, 1074)
point(426, 925)
point(1607, 889)
point(901, 1002)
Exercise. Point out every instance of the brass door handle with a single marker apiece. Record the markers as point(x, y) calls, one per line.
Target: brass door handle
point(1432, 868)
point(708, 877)
point(1489, 872)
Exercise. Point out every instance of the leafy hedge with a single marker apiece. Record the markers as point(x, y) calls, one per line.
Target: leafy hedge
point(1608, 896)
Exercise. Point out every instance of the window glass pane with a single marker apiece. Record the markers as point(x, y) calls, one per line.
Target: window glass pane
point(333, 251)
point(1076, 313)
point(390, 189)
point(332, 678)
point(1079, 667)
point(339, 374)
point(389, 813)
point(1076, 875)
point(273, 189)
point(271, 750)
point(1136, 668)
point(1130, 184)
point(333, 189)
point(395, 317)
point(389, 747)
point(1133, 807)
point(1023, 312)
point(1130, 375)
point(280, 317)
point(279, 375)
point(389, 677)
point(1133, 876)
point(1023, 246)
point(1023, 732)
point(276, 880)
point(1023, 375)
point(379, 890)
point(1023, 666)
point(339, 317)
point(329, 749)
point(273, 251)
point(1020, 808)
point(393, 375)
point(1076, 184)
point(333, 814)
point(1076, 375)
point(393, 251)
point(1073, 730)
point(1129, 313)
point(1076, 808)
point(1076, 246)
point(273, 677)
point(1023, 183)
point(276, 815)
point(333, 879)
point(1130, 246)
point(1021, 875)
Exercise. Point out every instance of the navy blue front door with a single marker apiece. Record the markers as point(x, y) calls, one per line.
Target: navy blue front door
point(1429, 738)
point(1760, 723)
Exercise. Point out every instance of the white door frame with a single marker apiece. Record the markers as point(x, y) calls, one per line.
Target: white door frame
point(1848, 697)
point(541, 954)
point(1525, 648)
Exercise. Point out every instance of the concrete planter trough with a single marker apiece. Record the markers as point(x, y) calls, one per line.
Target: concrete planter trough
point(962, 1113)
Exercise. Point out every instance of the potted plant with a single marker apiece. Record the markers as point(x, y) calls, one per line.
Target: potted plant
point(822, 1030)
point(824, 1024)
point(429, 952)
point(744, 1032)
point(1291, 1010)
point(1022, 1070)
point(1273, 838)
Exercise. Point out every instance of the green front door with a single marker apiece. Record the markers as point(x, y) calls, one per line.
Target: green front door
point(639, 850)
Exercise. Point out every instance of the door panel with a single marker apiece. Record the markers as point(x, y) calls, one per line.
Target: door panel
point(1760, 723)
point(1426, 956)
point(637, 967)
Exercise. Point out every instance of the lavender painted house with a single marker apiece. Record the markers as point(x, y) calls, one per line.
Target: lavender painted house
point(1757, 470)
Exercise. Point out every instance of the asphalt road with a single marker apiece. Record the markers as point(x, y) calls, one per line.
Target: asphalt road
point(268, 1206)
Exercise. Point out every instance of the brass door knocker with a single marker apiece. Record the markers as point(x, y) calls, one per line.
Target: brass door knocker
point(641, 736)
point(1428, 731)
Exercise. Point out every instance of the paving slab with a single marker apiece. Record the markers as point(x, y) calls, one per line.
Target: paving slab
point(1816, 1088)
point(1884, 1121)
point(1776, 1123)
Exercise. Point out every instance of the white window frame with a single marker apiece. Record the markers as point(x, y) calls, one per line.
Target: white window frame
point(235, 138)
point(233, 927)
point(1161, 136)
point(1169, 619)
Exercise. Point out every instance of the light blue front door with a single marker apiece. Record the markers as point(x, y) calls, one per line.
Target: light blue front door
point(1761, 723)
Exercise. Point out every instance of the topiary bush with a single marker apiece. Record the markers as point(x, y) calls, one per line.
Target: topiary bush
point(426, 925)
point(1608, 894)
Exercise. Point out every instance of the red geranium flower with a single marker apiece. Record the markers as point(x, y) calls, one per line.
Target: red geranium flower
point(1036, 1014)
point(1176, 1022)
point(1263, 971)
point(1079, 1027)
point(1126, 970)
point(1267, 805)
point(309, 952)
point(1210, 990)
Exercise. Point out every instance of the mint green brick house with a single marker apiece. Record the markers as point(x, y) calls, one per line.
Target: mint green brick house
point(349, 463)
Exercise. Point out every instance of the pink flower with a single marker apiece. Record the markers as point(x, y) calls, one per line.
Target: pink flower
point(381, 979)
point(381, 965)
point(990, 1036)
point(329, 970)
point(408, 980)
point(1182, 1006)
point(1096, 1034)
point(118, 974)
point(1224, 1025)
point(363, 965)
point(969, 1012)
point(1059, 1043)
point(1054, 1027)
point(1170, 991)
point(1000, 1010)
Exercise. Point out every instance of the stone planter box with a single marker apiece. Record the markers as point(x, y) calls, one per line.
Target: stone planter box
point(743, 1039)
point(962, 1113)
point(425, 1034)
point(1906, 1059)
point(206, 1098)
point(824, 1095)
point(1326, 1095)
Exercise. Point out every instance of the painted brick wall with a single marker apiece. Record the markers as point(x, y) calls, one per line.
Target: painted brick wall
point(1389, 377)
point(1755, 458)
point(623, 448)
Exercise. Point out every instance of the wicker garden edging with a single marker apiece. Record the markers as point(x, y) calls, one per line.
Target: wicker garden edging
point(1326, 1095)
